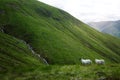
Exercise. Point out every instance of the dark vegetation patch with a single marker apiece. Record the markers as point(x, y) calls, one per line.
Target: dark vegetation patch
point(57, 19)
point(46, 13)
point(14, 5)
point(43, 12)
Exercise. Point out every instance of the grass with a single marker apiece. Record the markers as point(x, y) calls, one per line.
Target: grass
point(14, 54)
point(69, 72)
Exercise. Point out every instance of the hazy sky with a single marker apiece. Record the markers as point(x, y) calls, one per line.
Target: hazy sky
point(89, 10)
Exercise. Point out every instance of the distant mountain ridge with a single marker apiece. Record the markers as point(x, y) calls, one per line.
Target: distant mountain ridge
point(110, 27)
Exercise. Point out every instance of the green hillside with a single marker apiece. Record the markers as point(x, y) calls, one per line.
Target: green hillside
point(54, 34)
point(15, 54)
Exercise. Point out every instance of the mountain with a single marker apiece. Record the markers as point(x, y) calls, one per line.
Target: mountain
point(110, 27)
point(54, 34)
point(33, 34)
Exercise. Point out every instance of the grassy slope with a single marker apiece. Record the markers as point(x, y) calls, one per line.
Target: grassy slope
point(14, 54)
point(69, 72)
point(56, 35)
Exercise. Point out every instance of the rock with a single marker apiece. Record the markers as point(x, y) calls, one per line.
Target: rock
point(2, 11)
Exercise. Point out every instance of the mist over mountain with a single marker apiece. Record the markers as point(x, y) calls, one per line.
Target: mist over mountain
point(110, 27)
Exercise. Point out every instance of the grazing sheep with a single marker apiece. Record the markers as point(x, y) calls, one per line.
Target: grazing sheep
point(86, 61)
point(99, 61)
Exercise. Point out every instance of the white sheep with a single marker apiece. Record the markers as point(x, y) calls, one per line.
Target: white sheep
point(99, 61)
point(86, 61)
